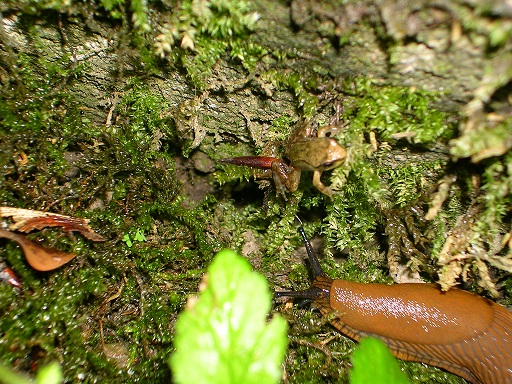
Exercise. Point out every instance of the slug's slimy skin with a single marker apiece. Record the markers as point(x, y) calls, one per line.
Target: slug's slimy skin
point(458, 331)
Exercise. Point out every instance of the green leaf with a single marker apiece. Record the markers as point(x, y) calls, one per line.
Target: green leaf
point(372, 362)
point(139, 236)
point(49, 374)
point(223, 336)
point(8, 376)
point(127, 240)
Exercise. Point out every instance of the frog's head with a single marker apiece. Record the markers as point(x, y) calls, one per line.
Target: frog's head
point(334, 156)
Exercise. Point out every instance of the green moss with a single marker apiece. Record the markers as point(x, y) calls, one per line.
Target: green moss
point(391, 110)
point(306, 101)
point(194, 34)
point(489, 139)
point(123, 180)
point(408, 182)
point(280, 128)
point(233, 174)
point(309, 361)
point(201, 32)
point(352, 219)
point(37, 101)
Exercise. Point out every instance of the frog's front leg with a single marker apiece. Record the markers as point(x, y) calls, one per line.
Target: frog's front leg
point(286, 177)
point(317, 182)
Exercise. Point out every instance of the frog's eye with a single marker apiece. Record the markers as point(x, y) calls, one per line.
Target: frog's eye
point(333, 162)
point(330, 164)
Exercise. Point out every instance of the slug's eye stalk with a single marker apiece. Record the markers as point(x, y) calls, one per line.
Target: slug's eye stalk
point(312, 294)
point(313, 259)
point(320, 288)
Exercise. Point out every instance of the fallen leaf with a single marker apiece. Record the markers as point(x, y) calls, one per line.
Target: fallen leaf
point(26, 220)
point(8, 275)
point(39, 257)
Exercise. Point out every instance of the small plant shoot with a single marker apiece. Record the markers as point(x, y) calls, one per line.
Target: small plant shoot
point(223, 336)
point(373, 363)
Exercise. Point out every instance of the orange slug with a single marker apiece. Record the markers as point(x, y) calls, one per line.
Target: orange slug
point(456, 330)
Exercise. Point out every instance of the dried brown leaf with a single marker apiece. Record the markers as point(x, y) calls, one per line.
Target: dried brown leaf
point(26, 220)
point(39, 257)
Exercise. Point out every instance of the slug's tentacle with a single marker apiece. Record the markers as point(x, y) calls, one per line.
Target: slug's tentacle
point(313, 259)
point(320, 289)
point(458, 331)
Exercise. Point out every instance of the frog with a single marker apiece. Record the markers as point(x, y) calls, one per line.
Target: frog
point(305, 150)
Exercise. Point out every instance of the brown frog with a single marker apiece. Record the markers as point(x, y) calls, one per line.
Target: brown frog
point(305, 151)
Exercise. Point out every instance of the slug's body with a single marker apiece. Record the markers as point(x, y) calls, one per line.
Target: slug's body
point(458, 331)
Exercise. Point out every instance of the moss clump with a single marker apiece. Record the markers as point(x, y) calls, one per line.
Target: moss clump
point(395, 113)
point(113, 307)
point(200, 32)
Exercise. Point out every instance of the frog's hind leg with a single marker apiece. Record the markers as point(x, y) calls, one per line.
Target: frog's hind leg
point(260, 162)
point(286, 177)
